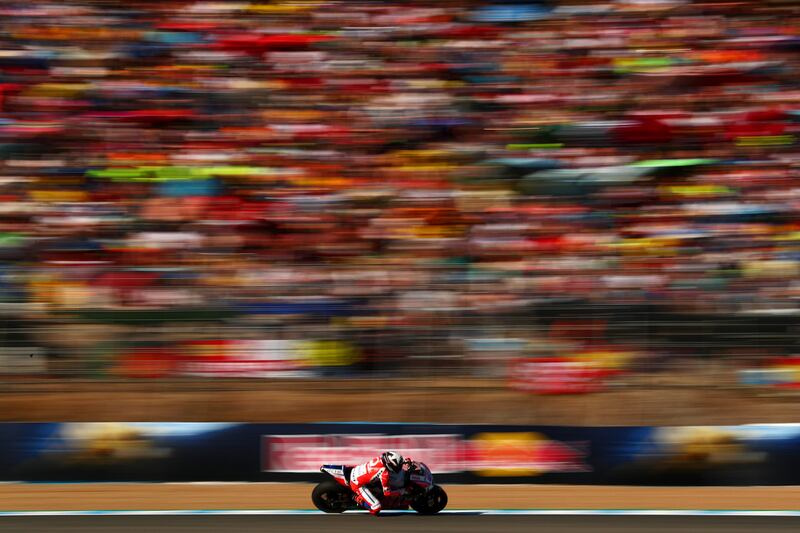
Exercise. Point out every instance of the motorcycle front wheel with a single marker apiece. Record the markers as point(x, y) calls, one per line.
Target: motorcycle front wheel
point(431, 502)
point(330, 497)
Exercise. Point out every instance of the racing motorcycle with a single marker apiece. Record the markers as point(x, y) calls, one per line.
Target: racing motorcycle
point(333, 495)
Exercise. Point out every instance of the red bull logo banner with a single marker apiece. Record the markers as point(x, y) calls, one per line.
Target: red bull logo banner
point(523, 454)
point(485, 454)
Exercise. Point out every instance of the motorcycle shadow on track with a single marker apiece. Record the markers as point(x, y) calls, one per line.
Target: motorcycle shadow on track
point(416, 516)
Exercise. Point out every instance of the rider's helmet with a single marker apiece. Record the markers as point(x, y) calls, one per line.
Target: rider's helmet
point(392, 460)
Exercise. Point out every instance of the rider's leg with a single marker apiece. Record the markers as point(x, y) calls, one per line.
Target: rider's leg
point(368, 500)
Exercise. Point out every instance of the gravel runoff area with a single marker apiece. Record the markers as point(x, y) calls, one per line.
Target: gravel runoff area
point(461, 401)
point(169, 496)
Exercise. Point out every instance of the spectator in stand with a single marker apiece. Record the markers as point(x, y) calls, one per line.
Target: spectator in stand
point(400, 163)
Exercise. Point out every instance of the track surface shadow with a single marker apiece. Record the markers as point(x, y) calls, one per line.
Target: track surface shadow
point(429, 517)
point(399, 523)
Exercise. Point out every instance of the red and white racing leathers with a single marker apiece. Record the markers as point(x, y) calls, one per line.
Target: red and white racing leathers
point(372, 473)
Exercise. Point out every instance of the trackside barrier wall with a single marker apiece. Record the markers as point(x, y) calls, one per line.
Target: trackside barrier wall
point(725, 455)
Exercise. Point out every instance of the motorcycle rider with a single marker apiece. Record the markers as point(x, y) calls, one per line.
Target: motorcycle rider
point(383, 473)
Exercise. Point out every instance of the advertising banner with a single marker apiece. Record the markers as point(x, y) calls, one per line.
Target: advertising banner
point(780, 372)
point(704, 455)
point(555, 376)
point(252, 358)
point(487, 454)
point(302, 453)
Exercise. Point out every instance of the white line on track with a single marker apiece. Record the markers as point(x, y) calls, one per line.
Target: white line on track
point(480, 512)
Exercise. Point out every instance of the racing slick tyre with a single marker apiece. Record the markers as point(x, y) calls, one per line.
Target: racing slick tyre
point(330, 497)
point(431, 502)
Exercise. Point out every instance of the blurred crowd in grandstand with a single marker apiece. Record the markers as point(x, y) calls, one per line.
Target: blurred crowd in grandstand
point(212, 188)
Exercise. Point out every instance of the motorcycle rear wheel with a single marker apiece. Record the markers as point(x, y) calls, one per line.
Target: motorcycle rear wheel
point(330, 497)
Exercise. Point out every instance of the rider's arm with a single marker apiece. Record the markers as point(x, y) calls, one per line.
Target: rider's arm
point(387, 487)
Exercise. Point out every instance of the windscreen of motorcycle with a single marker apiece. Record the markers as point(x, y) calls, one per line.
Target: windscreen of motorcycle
point(421, 475)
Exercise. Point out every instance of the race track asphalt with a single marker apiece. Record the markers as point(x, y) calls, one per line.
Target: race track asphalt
point(451, 523)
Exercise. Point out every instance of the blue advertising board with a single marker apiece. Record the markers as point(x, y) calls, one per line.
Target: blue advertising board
point(704, 455)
